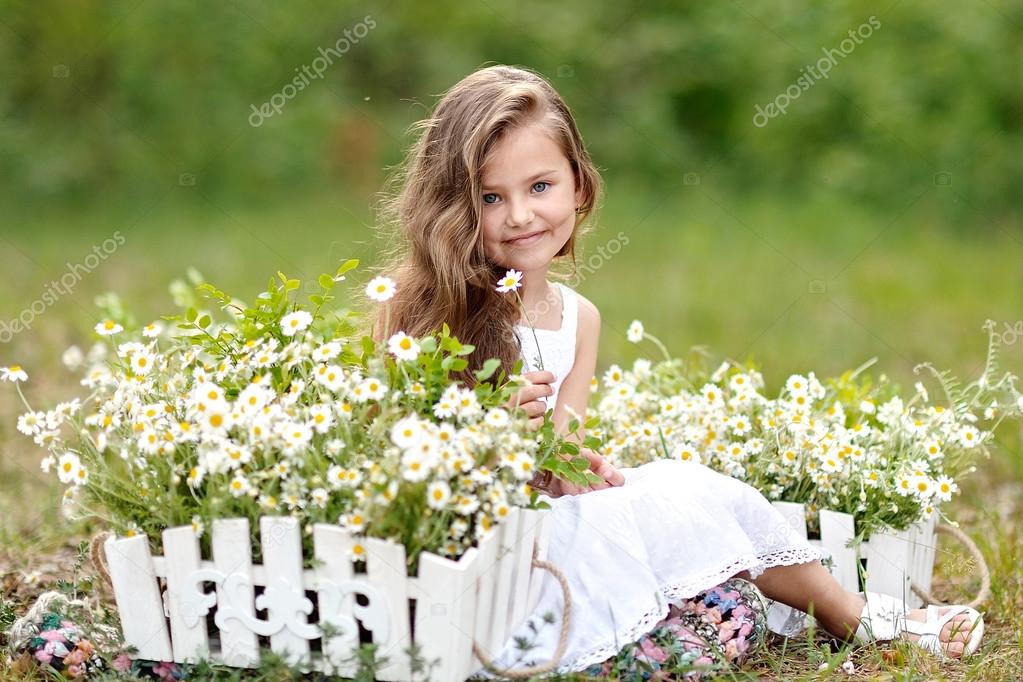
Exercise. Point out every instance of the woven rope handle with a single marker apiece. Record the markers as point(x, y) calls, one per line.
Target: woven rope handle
point(99, 559)
point(971, 547)
point(566, 622)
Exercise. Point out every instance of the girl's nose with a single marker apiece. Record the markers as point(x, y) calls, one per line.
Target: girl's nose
point(519, 213)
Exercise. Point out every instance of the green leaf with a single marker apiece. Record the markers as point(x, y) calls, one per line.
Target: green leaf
point(191, 314)
point(349, 264)
point(488, 369)
point(570, 447)
point(316, 298)
point(326, 281)
point(428, 345)
point(204, 321)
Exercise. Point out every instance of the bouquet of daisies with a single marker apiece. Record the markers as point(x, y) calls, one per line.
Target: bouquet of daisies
point(851, 443)
point(231, 410)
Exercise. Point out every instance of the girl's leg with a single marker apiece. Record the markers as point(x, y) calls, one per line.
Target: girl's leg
point(810, 587)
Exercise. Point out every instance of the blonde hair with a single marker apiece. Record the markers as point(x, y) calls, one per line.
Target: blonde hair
point(438, 263)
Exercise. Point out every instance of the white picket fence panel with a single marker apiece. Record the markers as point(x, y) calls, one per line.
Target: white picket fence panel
point(164, 601)
point(886, 563)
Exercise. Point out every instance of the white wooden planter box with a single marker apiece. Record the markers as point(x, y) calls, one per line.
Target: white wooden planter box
point(163, 601)
point(887, 562)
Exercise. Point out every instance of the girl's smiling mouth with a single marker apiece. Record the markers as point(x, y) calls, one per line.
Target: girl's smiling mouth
point(526, 240)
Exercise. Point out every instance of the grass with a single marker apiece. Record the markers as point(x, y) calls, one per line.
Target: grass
point(799, 283)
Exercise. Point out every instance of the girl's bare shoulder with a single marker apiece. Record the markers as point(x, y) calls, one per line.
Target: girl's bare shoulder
point(589, 318)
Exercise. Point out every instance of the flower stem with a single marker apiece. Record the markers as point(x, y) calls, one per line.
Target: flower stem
point(522, 307)
point(659, 344)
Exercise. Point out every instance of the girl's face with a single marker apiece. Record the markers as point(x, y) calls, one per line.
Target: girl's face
point(529, 200)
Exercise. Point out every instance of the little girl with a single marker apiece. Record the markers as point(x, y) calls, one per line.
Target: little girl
point(500, 179)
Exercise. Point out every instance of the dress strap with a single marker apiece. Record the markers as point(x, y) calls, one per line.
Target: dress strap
point(569, 311)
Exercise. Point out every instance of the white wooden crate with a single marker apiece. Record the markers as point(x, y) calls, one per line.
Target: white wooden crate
point(886, 563)
point(483, 596)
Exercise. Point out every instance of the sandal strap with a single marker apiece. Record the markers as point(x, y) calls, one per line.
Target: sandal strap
point(884, 618)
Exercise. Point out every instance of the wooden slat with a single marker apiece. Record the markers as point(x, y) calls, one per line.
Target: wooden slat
point(837, 530)
point(523, 561)
point(794, 514)
point(543, 542)
point(508, 530)
point(332, 546)
point(138, 597)
point(282, 558)
point(187, 619)
point(385, 569)
point(445, 613)
point(923, 550)
point(232, 554)
point(887, 560)
point(486, 588)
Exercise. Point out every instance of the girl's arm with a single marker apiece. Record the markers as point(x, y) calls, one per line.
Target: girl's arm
point(575, 389)
point(574, 394)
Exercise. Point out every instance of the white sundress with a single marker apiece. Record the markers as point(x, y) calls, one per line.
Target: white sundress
point(671, 531)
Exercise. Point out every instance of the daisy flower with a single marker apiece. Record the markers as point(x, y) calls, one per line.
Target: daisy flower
point(414, 466)
point(497, 418)
point(319, 497)
point(327, 351)
point(296, 437)
point(923, 487)
point(297, 321)
point(403, 346)
point(321, 417)
point(330, 377)
point(407, 432)
point(195, 476)
point(108, 328)
point(380, 289)
point(944, 487)
point(968, 436)
point(357, 552)
point(67, 467)
point(152, 330)
point(239, 486)
point(72, 358)
point(142, 361)
point(613, 376)
point(438, 494)
point(511, 281)
point(369, 389)
point(635, 332)
point(14, 374)
point(31, 423)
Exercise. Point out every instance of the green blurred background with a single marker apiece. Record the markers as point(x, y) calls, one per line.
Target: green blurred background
point(879, 216)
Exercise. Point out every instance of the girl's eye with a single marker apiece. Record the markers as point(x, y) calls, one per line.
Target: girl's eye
point(489, 198)
point(541, 185)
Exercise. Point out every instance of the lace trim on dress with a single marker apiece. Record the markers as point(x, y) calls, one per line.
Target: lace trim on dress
point(755, 564)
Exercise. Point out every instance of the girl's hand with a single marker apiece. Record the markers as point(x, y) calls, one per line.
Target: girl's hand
point(611, 477)
point(529, 397)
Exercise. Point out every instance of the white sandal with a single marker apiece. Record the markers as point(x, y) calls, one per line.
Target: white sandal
point(884, 618)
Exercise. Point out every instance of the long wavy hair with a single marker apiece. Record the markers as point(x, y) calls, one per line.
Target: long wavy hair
point(434, 210)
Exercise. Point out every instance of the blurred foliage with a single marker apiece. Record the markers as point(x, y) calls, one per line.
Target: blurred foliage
point(134, 97)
